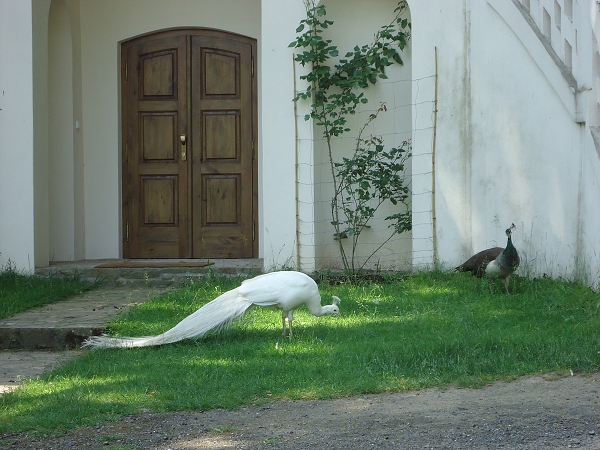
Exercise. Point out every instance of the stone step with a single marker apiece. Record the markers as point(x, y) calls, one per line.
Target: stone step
point(120, 284)
point(65, 325)
point(149, 272)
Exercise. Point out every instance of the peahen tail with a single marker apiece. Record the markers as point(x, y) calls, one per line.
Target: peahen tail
point(216, 314)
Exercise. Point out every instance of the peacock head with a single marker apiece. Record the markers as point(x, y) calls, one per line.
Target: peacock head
point(334, 307)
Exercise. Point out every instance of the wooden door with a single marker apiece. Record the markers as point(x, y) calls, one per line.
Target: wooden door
point(155, 177)
point(189, 171)
point(223, 150)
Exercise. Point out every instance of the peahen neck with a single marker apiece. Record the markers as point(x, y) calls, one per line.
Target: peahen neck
point(509, 244)
point(509, 257)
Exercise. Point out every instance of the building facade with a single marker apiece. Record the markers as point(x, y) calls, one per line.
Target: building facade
point(499, 99)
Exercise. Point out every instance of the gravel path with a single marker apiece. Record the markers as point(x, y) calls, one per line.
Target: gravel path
point(541, 412)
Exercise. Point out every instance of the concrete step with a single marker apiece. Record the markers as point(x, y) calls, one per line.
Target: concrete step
point(39, 340)
point(149, 272)
point(121, 284)
point(65, 325)
point(17, 366)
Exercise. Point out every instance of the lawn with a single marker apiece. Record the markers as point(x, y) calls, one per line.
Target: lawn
point(20, 292)
point(431, 329)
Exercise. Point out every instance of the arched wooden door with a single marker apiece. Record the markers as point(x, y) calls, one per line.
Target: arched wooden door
point(189, 137)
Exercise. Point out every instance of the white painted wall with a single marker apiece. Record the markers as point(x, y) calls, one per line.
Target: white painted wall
point(509, 147)
point(16, 135)
point(445, 27)
point(40, 13)
point(355, 23)
point(277, 173)
point(526, 160)
point(521, 146)
point(61, 127)
point(78, 194)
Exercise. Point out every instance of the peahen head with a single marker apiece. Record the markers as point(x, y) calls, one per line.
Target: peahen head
point(509, 231)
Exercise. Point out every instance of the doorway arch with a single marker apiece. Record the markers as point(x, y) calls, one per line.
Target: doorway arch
point(189, 121)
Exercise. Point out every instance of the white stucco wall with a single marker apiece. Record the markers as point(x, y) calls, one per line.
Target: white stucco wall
point(16, 135)
point(509, 147)
point(525, 154)
point(277, 132)
point(61, 128)
point(445, 27)
point(355, 23)
point(522, 158)
point(40, 14)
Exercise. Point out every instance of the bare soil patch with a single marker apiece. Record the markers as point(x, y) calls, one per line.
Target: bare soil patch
point(541, 412)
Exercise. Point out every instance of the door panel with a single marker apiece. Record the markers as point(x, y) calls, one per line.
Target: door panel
point(222, 194)
point(157, 131)
point(158, 200)
point(222, 124)
point(221, 135)
point(189, 178)
point(155, 177)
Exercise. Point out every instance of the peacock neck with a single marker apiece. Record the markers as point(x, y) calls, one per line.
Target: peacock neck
point(318, 310)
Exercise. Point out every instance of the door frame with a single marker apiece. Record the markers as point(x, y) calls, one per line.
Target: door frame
point(123, 114)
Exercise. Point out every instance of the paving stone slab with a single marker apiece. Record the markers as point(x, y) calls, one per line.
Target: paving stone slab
point(17, 366)
point(40, 340)
point(64, 325)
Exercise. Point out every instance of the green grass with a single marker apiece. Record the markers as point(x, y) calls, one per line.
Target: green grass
point(19, 292)
point(433, 329)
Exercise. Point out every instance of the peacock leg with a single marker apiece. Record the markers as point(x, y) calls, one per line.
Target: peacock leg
point(283, 316)
point(290, 317)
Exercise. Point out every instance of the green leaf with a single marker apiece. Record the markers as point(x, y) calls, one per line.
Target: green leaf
point(371, 175)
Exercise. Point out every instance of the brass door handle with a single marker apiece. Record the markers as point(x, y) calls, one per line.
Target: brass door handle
point(183, 140)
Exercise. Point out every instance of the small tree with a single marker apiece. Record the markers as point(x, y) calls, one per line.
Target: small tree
point(372, 176)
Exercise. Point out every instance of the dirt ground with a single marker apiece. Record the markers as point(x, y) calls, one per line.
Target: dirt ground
point(541, 412)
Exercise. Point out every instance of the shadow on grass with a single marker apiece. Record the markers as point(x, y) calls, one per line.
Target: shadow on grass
point(430, 330)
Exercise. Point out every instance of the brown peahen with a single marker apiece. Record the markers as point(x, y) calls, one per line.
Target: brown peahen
point(496, 261)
